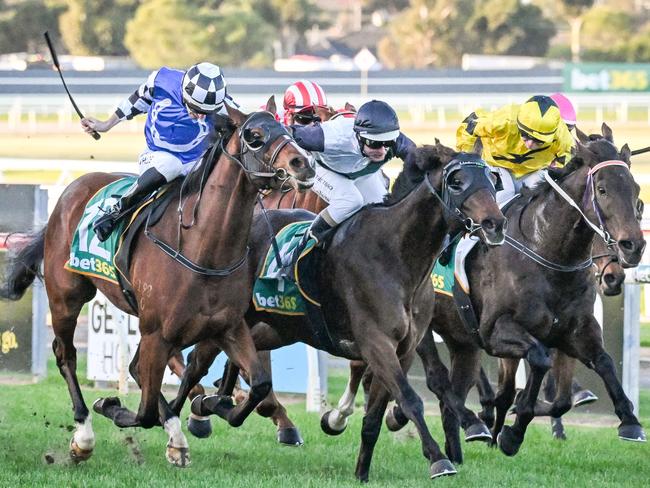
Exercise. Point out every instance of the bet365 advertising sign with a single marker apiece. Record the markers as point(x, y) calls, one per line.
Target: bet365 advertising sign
point(610, 77)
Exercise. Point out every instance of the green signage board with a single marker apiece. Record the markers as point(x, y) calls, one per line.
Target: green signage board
point(610, 77)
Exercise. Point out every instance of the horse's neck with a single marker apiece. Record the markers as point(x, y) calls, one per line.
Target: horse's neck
point(224, 215)
point(554, 228)
point(415, 229)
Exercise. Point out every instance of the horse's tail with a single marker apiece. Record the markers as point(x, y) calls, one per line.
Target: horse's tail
point(23, 267)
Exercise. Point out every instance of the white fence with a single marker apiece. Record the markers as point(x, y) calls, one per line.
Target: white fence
point(28, 113)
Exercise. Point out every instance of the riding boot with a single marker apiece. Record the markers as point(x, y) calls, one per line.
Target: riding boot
point(318, 230)
point(148, 182)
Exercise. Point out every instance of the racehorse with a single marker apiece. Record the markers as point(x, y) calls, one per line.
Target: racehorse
point(200, 292)
point(376, 308)
point(536, 292)
point(609, 275)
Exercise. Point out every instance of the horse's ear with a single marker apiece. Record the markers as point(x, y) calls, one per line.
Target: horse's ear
point(349, 107)
point(235, 115)
point(427, 157)
point(582, 137)
point(607, 133)
point(270, 105)
point(625, 154)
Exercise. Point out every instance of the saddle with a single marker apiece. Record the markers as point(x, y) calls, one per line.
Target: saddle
point(149, 213)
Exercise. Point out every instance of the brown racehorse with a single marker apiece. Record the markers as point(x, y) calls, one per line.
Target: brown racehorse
point(179, 303)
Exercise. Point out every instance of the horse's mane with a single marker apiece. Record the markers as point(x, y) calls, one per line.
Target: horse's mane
point(224, 128)
point(596, 144)
point(425, 158)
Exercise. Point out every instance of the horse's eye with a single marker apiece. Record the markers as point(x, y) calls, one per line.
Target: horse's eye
point(601, 191)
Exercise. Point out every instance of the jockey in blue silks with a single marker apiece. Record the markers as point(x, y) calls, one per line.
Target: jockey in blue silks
point(178, 105)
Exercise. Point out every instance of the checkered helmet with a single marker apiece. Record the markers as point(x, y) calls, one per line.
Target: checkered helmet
point(204, 87)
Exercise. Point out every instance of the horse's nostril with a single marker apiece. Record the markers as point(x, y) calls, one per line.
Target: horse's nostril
point(609, 279)
point(488, 224)
point(298, 163)
point(628, 246)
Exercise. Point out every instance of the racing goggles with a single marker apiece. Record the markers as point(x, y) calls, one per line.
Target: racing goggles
point(526, 136)
point(376, 144)
point(306, 116)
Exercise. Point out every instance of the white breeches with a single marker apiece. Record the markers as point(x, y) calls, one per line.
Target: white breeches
point(166, 163)
point(346, 196)
point(512, 185)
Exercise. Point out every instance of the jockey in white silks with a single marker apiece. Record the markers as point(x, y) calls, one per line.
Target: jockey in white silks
point(349, 155)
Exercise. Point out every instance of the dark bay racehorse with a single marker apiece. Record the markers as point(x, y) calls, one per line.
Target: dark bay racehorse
point(178, 304)
point(524, 307)
point(375, 291)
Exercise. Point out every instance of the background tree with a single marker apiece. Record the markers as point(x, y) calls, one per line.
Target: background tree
point(290, 19)
point(22, 23)
point(605, 34)
point(510, 27)
point(428, 33)
point(574, 10)
point(92, 27)
point(233, 34)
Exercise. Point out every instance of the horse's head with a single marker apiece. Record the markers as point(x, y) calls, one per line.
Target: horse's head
point(466, 187)
point(267, 152)
point(609, 272)
point(611, 197)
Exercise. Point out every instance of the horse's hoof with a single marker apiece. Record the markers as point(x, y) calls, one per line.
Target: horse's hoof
point(77, 454)
point(198, 426)
point(508, 441)
point(442, 468)
point(478, 432)
point(290, 437)
point(101, 404)
point(584, 397)
point(488, 419)
point(632, 433)
point(325, 425)
point(559, 435)
point(557, 429)
point(178, 456)
point(395, 419)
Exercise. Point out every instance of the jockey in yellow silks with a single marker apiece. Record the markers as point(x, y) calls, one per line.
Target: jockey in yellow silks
point(518, 140)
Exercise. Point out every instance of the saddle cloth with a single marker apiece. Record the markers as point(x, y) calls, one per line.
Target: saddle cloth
point(88, 255)
point(277, 288)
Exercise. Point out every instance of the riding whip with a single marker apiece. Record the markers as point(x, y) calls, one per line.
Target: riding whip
point(640, 151)
point(55, 60)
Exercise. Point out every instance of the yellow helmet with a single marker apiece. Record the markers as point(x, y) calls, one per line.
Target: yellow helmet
point(539, 118)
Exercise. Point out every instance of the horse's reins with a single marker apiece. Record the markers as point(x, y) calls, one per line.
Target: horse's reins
point(598, 229)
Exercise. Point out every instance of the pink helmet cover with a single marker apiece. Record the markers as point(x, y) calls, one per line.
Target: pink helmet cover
point(567, 112)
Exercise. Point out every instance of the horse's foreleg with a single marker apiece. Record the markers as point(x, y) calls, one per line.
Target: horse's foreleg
point(586, 344)
point(335, 421)
point(378, 399)
point(64, 322)
point(486, 397)
point(287, 433)
point(177, 366)
point(238, 344)
point(379, 352)
point(510, 340)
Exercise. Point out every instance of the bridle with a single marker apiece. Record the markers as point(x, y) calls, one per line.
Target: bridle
point(590, 194)
point(599, 229)
point(453, 196)
point(250, 158)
